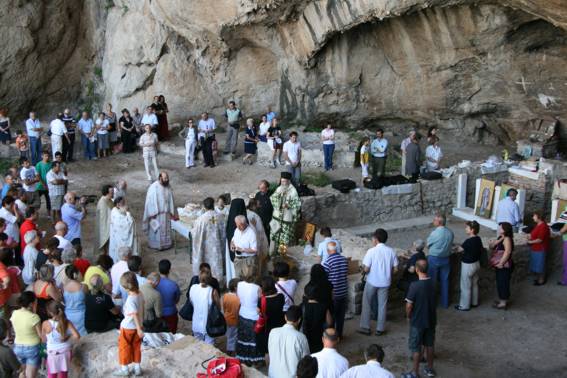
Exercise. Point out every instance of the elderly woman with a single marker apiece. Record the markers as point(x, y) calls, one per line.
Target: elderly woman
point(248, 293)
point(100, 311)
point(539, 242)
point(501, 261)
point(409, 275)
point(250, 141)
point(433, 154)
point(470, 266)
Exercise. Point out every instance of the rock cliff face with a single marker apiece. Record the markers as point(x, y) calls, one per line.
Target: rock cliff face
point(462, 65)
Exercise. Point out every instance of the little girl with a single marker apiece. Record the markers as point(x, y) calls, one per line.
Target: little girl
point(57, 332)
point(131, 334)
point(364, 157)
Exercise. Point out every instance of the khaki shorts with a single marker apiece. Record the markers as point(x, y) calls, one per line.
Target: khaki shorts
point(56, 202)
point(243, 265)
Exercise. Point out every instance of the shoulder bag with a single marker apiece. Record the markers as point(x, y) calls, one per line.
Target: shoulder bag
point(216, 324)
point(260, 324)
point(286, 293)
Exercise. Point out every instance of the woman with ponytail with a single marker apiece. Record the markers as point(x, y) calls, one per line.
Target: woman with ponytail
point(57, 332)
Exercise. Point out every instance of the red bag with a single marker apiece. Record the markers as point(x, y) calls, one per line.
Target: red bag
point(260, 324)
point(224, 367)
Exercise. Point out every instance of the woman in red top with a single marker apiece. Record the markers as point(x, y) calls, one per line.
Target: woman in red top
point(539, 242)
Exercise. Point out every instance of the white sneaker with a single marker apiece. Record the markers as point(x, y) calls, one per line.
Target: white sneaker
point(138, 372)
point(121, 373)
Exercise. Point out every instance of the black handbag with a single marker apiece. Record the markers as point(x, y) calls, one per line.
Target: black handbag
point(216, 324)
point(186, 311)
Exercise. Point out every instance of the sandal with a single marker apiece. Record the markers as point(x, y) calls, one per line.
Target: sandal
point(499, 307)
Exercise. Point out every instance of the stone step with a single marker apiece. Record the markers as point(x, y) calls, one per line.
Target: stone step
point(404, 224)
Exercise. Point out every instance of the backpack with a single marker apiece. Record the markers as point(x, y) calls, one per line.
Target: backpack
point(222, 367)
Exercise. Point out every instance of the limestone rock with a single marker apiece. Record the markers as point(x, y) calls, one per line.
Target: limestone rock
point(96, 355)
point(481, 71)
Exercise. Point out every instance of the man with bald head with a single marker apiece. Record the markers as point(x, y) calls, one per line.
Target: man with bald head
point(158, 212)
point(330, 362)
point(73, 214)
point(60, 232)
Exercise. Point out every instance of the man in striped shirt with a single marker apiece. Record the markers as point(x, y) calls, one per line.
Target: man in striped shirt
point(336, 266)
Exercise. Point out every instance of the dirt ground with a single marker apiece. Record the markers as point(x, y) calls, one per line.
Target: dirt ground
point(528, 340)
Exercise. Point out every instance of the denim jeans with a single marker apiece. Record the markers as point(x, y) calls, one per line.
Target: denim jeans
point(439, 269)
point(35, 149)
point(328, 150)
point(295, 173)
point(88, 147)
point(28, 355)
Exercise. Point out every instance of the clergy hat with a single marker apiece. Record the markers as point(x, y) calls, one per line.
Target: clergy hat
point(286, 175)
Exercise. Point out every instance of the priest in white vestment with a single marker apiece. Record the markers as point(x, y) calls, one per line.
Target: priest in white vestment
point(209, 240)
point(102, 220)
point(158, 212)
point(122, 230)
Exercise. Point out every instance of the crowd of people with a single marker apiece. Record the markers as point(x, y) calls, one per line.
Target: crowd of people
point(62, 296)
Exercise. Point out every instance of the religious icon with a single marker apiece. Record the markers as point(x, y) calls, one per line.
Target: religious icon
point(561, 215)
point(485, 198)
point(504, 191)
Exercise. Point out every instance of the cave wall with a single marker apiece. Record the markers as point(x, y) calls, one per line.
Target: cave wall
point(359, 63)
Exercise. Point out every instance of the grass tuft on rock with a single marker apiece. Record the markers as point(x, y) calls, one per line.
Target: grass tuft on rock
point(318, 179)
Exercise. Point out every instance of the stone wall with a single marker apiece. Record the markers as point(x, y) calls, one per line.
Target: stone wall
point(538, 193)
point(366, 206)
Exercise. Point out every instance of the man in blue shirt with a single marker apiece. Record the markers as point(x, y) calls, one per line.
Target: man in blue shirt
point(86, 128)
point(72, 216)
point(379, 150)
point(34, 130)
point(170, 295)
point(440, 243)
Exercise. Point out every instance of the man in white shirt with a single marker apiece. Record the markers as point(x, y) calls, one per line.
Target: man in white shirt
point(9, 213)
point(56, 182)
point(378, 150)
point(328, 139)
point(149, 142)
point(379, 263)
point(58, 132)
point(508, 210)
point(330, 363)
point(30, 178)
point(34, 130)
point(403, 146)
point(150, 118)
point(374, 355)
point(322, 248)
point(207, 127)
point(60, 232)
point(292, 154)
point(286, 346)
point(245, 245)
